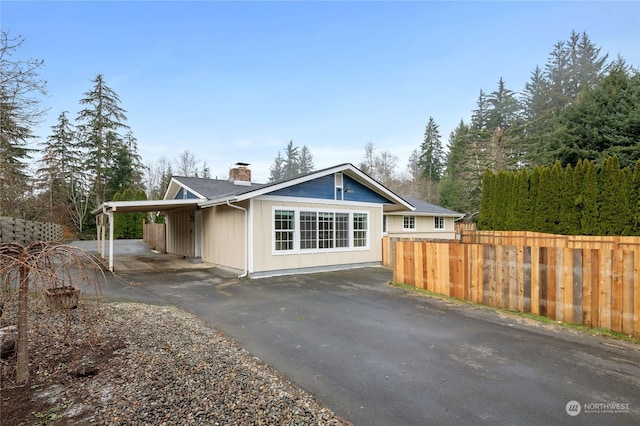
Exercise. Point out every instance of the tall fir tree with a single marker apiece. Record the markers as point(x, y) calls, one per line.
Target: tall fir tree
point(100, 124)
point(60, 161)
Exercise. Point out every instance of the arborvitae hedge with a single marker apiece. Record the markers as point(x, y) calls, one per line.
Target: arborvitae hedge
point(580, 200)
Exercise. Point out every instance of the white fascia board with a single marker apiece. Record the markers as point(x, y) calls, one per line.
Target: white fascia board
point(173, 183)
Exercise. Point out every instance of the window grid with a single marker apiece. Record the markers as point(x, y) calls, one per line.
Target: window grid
point(438, 222)
point(409, 222)
point(284, 229)
point(342, 229)
point(325, 230)
point(308, 230)
point(359, 229)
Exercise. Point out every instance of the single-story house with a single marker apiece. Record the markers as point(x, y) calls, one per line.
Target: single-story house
point(332, 218)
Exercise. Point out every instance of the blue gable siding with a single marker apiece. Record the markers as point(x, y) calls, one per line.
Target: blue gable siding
point(317, 188)
point(180, 195)
point(324, 188)
point(354, 191)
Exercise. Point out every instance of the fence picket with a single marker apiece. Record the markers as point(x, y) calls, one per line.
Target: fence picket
point(586, 280)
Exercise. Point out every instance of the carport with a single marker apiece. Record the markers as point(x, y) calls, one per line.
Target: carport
point(105, 213)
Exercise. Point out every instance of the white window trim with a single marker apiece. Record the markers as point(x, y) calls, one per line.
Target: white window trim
point(444, 223)
point(296, 232)
point(414, 223)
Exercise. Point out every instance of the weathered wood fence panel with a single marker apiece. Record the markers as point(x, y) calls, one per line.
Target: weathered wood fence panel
point(154, 234)
point(569, 282)
point(27, 231)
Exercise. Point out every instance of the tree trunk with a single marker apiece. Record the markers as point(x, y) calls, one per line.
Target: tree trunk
point(22, 364)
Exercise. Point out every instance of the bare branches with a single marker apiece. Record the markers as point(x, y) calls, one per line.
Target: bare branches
point(48, 286)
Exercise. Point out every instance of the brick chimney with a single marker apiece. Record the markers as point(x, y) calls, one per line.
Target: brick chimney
point(240, 174)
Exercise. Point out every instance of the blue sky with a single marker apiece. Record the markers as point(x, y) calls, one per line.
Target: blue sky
point(235, 81)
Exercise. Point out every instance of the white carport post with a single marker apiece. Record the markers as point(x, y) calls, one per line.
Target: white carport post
point(110, 215)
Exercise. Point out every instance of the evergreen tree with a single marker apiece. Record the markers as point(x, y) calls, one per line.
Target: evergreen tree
point(20, 87)
point(589, 217)
point(634, 200)
point(99, 125)
point(431, 159)
point(291, 166)
point(276, 171)
point(60, 161)
point(305, 161)
point(603, 122)
point(486, 215)
point(612, 199)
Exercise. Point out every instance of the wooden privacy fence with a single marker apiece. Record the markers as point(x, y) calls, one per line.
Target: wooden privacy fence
point(27, 231)
point(597, 287)
point(154, 234)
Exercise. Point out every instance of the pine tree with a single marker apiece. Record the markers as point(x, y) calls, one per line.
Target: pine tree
point(99, 125)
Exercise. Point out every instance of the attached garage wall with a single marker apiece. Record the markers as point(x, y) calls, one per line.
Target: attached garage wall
point(224, 239)
point(265, 260)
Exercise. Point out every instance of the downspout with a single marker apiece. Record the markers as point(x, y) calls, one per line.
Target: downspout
point(246, 239)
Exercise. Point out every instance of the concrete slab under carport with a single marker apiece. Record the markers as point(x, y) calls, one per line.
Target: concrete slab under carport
point(136, 256)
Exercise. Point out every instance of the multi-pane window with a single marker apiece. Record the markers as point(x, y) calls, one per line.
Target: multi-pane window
point(308, 230)
point(325, 230)
point(319, 230)
point(342, 229)
point(359, 229)
point(438, 222)
point(284, 224)
point(408, 222)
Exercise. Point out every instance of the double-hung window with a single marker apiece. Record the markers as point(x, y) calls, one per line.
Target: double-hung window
point(438, 222)
point(325, 230)
point(360, 229)
point(342, 230)
point(308, 230)
point(284, 229)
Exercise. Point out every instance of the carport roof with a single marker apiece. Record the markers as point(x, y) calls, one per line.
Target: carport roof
point(142, 206)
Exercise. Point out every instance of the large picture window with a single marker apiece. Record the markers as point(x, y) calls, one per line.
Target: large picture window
point(306, 230)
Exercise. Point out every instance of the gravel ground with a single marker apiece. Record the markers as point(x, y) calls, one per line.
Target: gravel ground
point(167, 367)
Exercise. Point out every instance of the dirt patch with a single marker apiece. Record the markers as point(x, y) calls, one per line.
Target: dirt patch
point(51, 394)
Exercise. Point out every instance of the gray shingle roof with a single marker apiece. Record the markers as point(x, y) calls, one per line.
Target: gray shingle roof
point(424, 207)
point(216, 188)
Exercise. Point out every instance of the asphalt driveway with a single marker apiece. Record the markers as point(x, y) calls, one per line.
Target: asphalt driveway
point(381, 355)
